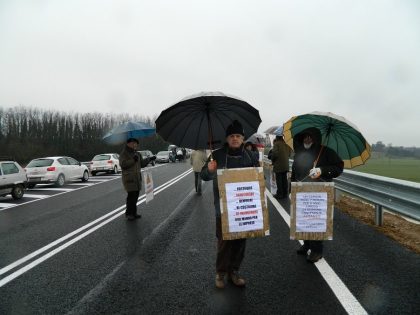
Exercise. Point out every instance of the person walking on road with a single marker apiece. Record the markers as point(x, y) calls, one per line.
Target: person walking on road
point(232, 155)
point(198, 159)
point(313, 163)
point(280, 157)
point(131, 163)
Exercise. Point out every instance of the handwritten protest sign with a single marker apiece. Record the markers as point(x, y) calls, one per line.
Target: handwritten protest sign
point(273, 182)
point(148, 186)
point(311, 211)
point(242, 203)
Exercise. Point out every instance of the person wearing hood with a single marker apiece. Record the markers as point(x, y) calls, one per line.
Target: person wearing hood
point(313, 163)
point(131, 163)
point(230, 253)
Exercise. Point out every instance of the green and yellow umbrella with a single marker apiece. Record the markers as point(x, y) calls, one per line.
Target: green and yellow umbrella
point(337, 133)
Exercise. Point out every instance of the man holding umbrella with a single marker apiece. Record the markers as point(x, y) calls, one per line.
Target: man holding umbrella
point(312, 163)
point(230, 253)
point(131, 163)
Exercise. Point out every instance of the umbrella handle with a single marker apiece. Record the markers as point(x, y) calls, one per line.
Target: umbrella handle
point(320, 151)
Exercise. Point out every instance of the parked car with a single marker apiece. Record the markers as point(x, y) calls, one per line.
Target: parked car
point(148, 154)
point(107, 162)
point(56, 169)
point(13, 179)
point(162, 157)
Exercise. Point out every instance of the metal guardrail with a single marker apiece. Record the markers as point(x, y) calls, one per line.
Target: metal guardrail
point(397, 196)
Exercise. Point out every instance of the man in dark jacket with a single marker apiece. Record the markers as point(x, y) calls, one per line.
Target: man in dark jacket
point(232, 155)
point(280, 157)
point(131, 163)
point(313, 163)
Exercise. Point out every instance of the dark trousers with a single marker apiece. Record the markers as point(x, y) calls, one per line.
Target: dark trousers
point(197, 182)
point(131, 203)
point(282, 185)
point(229, 253)
point(314, 246)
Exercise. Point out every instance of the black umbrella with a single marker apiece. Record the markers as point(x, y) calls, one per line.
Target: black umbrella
point(200, 121)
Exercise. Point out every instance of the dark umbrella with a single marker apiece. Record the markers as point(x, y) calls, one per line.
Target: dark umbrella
point(200, 121)
point(121, 133)
point(256, 138)
point(271, 130)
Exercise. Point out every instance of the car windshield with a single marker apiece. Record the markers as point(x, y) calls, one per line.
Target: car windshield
point(40, 163)
point(101, 157)
point(163, 153)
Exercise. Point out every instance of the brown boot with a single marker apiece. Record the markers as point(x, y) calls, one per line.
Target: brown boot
point(237, 279)
point(220, 280)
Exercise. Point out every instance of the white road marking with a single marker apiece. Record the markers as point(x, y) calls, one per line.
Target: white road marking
point(36, 196)
point(35, 189)
point(7, 205)
point(52, 189)
point(343, 294)
point(83, 184)
point(41, 259)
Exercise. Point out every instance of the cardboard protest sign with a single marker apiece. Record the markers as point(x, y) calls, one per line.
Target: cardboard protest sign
point(242, 203)
point(311, 211)
point(148, 185)
point(273, 182)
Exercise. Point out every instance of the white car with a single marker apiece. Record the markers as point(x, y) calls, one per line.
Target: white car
point(162, 157)
point(13, 179)
point(107, 162)
point(56, 169)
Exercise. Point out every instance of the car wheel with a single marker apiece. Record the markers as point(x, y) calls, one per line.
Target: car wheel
point(85, 177)
point(17, 192)
point(31, 186)
point(115, 170)
point(60, 180)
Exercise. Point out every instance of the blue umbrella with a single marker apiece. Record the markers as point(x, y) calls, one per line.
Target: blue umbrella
point(279, 131)
point(121, 133)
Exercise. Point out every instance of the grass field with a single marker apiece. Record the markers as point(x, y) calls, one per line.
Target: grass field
point(406, 169)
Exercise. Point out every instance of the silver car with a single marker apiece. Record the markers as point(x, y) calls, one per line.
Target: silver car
point(13, 179)
point(56, 169)
point(107, 162)
point(162, 157)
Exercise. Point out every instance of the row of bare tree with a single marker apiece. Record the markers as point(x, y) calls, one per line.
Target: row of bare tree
point(27, 133)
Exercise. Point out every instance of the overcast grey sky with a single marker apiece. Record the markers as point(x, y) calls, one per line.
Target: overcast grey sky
point(359, 59)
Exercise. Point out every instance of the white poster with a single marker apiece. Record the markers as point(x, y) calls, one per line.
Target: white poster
point(273, 182)
point(244, 206)
point(311, 212)
point(148, 185)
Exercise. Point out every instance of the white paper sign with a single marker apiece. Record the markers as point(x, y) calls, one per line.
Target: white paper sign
point(311, 212)
point(148, 185)
point(273, 183)
point(244, 206)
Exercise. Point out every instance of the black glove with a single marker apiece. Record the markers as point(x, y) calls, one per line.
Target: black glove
point(136, 157)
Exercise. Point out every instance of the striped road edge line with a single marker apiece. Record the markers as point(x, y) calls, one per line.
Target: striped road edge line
point(116, 213)
point(343, 294)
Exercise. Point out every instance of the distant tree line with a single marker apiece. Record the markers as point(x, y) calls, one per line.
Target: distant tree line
point(393, 151)
point(27, 133)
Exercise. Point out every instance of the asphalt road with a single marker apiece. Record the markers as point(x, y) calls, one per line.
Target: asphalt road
point(87, 259)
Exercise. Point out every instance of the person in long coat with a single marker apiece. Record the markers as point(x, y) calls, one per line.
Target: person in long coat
point(131, 163)
point(313, 163)
point(280, 157)
point(232, 155)
point(198, 160)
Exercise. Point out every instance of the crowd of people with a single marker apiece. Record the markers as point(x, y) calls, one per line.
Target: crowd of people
point(312, 162)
